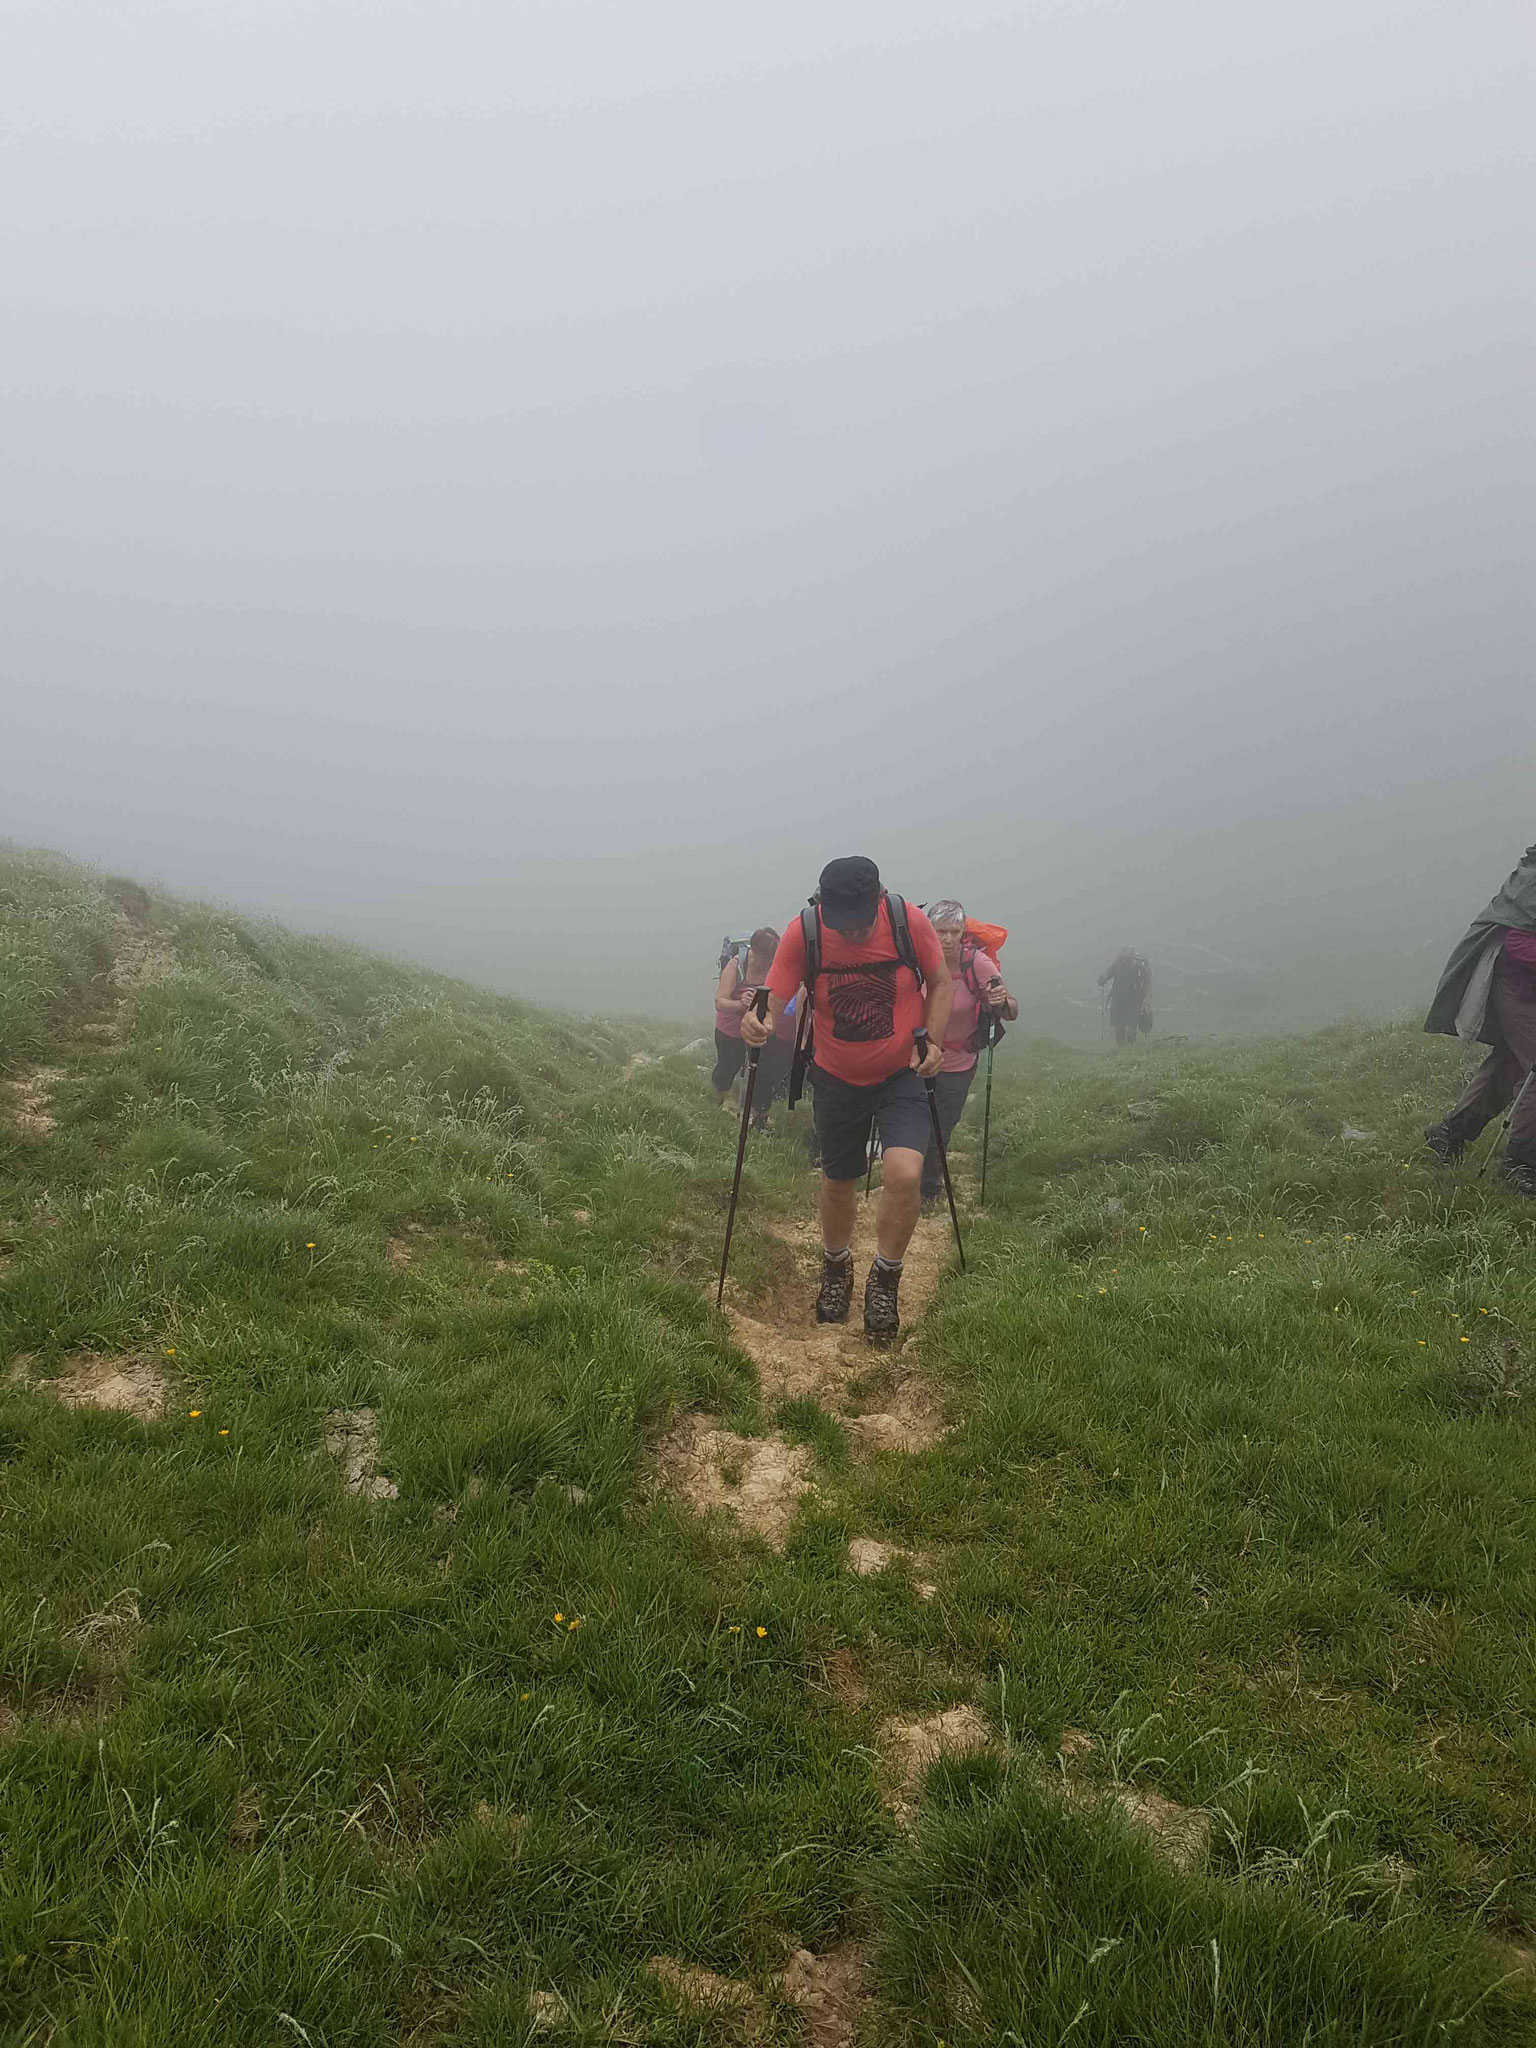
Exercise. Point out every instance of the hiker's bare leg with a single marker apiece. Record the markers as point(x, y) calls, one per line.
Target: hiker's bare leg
point(839, 1206)
point(901, 1172)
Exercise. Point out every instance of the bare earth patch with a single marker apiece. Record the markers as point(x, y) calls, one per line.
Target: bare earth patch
point(830, 1991)
point(129, 1384)
point(1180, 1833)
point(546, 2011)
point(759, 1480)
point(910, 1747)
point(701, 1991)
point(352, 1437)
point(29, 1099)
point(844, 1680)
point(868, 1557)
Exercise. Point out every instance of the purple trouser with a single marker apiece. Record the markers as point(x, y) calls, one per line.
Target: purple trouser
point(1498, 1080)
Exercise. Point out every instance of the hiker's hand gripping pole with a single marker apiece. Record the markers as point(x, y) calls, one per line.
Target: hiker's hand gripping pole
point(920, 1036)
point(760, 1007)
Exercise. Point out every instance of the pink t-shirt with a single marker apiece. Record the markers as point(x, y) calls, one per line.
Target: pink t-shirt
point(728, 1010)
point(958, 1057)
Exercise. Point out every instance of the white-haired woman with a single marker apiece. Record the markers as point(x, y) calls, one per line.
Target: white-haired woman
point(980, 994)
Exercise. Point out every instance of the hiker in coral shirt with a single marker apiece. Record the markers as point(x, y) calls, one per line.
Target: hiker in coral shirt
point(874, 974)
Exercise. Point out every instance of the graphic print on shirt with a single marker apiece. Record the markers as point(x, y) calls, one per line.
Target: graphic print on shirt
point(863, 1001)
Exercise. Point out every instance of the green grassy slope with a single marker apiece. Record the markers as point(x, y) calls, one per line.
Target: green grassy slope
point(281, 1762)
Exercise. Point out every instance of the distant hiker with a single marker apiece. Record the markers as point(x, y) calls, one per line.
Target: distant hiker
point(1488, 994)
point(742, 969)
point(874, 974)
point(979, 995)
point(1130, 994)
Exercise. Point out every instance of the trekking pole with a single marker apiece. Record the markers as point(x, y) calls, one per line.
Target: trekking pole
point(869, 1174)
point(1508, 1120)
point(986, 1119)
point(921, 1038)
point(760, 1005)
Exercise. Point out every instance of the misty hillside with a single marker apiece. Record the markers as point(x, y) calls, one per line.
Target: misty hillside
point(424, 1619)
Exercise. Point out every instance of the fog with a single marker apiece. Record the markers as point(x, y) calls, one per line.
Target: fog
point(522, 484)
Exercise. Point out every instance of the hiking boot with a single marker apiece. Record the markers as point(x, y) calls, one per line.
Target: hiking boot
point(932, 1203)
point(881, 1321)
point(1446, 1147)
point(836, 1296)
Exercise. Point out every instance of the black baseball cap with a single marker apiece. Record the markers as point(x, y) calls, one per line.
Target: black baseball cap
point(850, 893)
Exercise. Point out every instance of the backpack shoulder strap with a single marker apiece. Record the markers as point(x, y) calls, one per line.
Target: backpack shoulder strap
point(901, 933)
point(810, 931)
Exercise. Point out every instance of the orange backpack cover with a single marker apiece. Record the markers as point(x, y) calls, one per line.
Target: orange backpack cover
point(990, 938)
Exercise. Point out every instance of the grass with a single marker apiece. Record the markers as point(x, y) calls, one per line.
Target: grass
point(279, 1763)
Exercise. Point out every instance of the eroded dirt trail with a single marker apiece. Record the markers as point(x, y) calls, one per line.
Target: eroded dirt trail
point(96, 1018)
point(880, 1398)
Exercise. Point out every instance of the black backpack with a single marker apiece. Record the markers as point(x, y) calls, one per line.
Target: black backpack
point(810, 927)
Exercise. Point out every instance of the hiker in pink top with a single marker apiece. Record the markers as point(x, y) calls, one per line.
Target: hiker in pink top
point(733, 994)
point(980, 993)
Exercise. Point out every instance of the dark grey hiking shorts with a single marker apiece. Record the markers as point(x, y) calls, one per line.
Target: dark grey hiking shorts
point(897, 1107)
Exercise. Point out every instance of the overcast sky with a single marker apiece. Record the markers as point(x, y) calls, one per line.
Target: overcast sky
point(525, 483)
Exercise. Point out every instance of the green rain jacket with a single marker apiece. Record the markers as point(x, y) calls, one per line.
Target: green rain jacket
point(1460, 1007)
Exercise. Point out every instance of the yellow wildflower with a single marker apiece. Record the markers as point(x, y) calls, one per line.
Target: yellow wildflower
point(559, 1617)
point(194, 1413)
point(761, 1633)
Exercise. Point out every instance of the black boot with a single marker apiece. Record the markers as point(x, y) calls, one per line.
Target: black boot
point(836, 1296)
point(1445, 1145)
point(881, 1320)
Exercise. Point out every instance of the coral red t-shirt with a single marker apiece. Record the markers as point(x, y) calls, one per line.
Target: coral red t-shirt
point(867, 1004)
